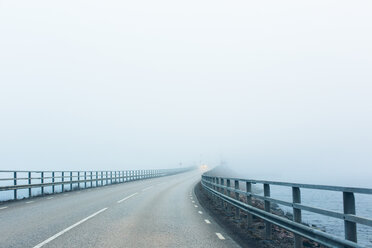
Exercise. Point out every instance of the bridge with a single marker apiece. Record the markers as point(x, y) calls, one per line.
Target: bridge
point(142, 208)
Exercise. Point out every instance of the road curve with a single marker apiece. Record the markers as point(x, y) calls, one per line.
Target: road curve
point(158, 212)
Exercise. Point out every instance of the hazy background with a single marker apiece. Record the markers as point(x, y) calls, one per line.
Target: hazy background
point(277, 89)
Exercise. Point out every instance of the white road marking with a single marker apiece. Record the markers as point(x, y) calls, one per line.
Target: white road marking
point(219, 235)
point(126, 198)
point(50, 198)
point(65, 194)
point(207, 221)
point(200, 212)
point(196, 206)
point(193, 201)
point(29, 202)
point(68, 228)
point(3, 207)
point(147, 188)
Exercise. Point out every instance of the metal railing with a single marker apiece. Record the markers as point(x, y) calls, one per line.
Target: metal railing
point(51, 182)
point(227, 195)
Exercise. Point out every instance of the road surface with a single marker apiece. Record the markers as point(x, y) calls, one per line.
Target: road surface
point(158, 212)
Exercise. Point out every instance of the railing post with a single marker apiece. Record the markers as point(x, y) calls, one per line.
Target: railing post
point(70, 180)
point(237, 197)
point(222, 191)
point(296, 197)
point(267, 209)
point(42, 182)
point(78, 179)
point(349, 208)
point(106, 177)
point(15, 183)
point(228, 193)
point(115, 177)
point(111, 177)
point(91, 179)
point(85, 179)
point(63, 179)
point(96, 178)
point(53, 180)
point(101, 178)
point(249, 202)
point(29, 183)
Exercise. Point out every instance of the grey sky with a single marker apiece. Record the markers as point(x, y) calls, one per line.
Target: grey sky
point(278, 89)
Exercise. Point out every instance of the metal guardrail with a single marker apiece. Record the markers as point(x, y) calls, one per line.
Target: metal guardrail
point(61, 181)
point(226, 195)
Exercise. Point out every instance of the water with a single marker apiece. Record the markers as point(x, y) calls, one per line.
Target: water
point(330, 201)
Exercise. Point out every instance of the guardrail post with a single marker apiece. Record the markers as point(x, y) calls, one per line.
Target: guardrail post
point(53, 180)
point(63, 179)
point(267, 209)
point(296, 197)
point(78, 179)
point(237, 197)
point(349, 208)
point(106, 177)
point(70, 180)
point(249, 202)
point(101, 178)
point(91, 179)
point(15, 183)
point(85, 179)
point(218, 188)
point(29, 183)
point(42, 181)
point(96, 178)
point(110, 177)
point(222, 190)
point(228, 193)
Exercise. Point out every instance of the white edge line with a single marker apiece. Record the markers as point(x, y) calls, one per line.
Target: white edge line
point(220, 236)
point(126, 198)
point(3, 207)
point(68, 229)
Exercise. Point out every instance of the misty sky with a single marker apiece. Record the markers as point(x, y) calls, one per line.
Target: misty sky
point(278, 89)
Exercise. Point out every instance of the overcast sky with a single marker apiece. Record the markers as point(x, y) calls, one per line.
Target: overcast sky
point(278, 89)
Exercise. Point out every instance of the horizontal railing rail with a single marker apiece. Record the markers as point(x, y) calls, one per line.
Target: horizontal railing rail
point(51, 182)
point(227, 196)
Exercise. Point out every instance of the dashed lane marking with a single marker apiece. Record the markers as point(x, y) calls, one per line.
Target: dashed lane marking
point(50, 198)
point(126, 198)
point(68, 229)
point(147, 188)
point(200, 212)
point(3, 207)
point(29, 202)
point(208, 222)
point(196, 206)
point(220, 236)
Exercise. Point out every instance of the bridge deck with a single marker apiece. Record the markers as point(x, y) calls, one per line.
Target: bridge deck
point(157, 212)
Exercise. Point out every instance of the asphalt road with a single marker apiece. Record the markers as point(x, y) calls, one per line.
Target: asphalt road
point(158, 212)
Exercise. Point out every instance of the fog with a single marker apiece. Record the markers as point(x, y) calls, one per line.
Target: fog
point(277, 89)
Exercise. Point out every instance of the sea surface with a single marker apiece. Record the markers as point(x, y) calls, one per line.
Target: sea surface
point(330, 201)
